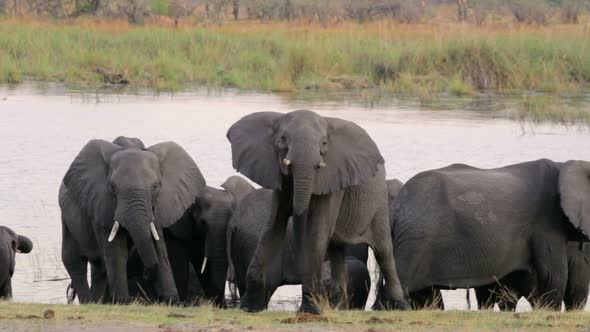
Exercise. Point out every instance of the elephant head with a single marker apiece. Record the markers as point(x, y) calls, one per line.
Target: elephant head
point(212, 215)
point(318, 155)
point(10, 244)
point(393, 188)
point(131, 194)
point(129, 142)
point(574, 190)
point(17, 243)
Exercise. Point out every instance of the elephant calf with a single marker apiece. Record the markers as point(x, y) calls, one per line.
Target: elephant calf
point(10, 244)
point(285, 267)
point(507, 291)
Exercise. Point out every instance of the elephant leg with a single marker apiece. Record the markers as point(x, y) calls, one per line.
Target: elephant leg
point(77, 267)
point(116, 255)
point(359, 284)
point(98, 281)
point(6, 290)
point(165, 285)
point(179, 262)
point(270, 242)
point(576, 293)
point(578, 278)
point(392, 296)
point(485, 298)
point(323, 214)
point(551, 268)
point(429, 298)
point(338, 289)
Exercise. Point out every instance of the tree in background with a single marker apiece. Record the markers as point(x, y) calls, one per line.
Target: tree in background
point(462, 10)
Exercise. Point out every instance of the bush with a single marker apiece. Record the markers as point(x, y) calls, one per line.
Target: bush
point(529, 11)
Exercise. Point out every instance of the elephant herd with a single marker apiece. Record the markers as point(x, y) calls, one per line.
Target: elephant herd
point(148, 225)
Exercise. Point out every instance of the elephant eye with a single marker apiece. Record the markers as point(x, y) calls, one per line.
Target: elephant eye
point(283, 139)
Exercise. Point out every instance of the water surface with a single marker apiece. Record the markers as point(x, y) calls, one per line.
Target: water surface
point(41, 132)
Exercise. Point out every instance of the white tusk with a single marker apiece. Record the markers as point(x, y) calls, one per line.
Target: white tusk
point(322, 165)
point(204, 265)
point(114, 231)
point(154, 231)
point(286, 162)
point(18, 251)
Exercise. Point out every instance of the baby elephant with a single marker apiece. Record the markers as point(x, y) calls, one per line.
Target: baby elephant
point(10, 243)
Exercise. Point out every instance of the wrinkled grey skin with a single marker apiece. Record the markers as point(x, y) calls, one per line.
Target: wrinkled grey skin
point(202, 233)
point(10, 244)
point(507, 291)
point(462, 227)
point(285, 267)
point(328, 174)
point(135, 186)
point(393, 188)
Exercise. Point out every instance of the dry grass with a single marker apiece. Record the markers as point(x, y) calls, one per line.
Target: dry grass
point(159, 316)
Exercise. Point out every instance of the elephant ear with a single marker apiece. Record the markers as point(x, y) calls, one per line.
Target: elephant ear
point(182, 183)
point(351, 157)
point(87, 179)
point(574, 188)
point(253, 151)
point(238, 187)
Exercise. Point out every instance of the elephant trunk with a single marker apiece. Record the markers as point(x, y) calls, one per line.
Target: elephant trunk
point(303, 178)
point(216, 253)
point(136, 216)
point(142, 238)
point(25, 245)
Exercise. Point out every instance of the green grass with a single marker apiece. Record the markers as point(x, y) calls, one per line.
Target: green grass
point(154, 316)
point(424, 60)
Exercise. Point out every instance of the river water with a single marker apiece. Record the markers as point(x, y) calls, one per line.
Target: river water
point(42, 130)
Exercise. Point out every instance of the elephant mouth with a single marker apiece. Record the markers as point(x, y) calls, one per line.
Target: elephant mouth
point(140, 238)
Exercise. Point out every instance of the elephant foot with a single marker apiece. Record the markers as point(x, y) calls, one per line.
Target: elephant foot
point(309, 308)
point(123, 300)
point(249, 305)
point(391, 304)
point(170, 300)
point(255, 299)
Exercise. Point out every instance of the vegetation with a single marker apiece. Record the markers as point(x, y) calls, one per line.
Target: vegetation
point(174, 318)
point(326, 11)
point(415, 59)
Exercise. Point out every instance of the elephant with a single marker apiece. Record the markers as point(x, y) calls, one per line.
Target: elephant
point(507, 291)
point(328, 174)
point(115, 199)
point(284, 268)
point(462, 227)
point(11, 243)
point(199, 238)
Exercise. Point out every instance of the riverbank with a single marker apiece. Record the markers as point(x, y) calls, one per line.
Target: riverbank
point(46, 317)
point(417, 60)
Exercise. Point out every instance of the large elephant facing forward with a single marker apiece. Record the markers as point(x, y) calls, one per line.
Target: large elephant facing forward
point(463, 227)
point(10, 244)
point(285, 267)
point(115, 199)
point(328, 174)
